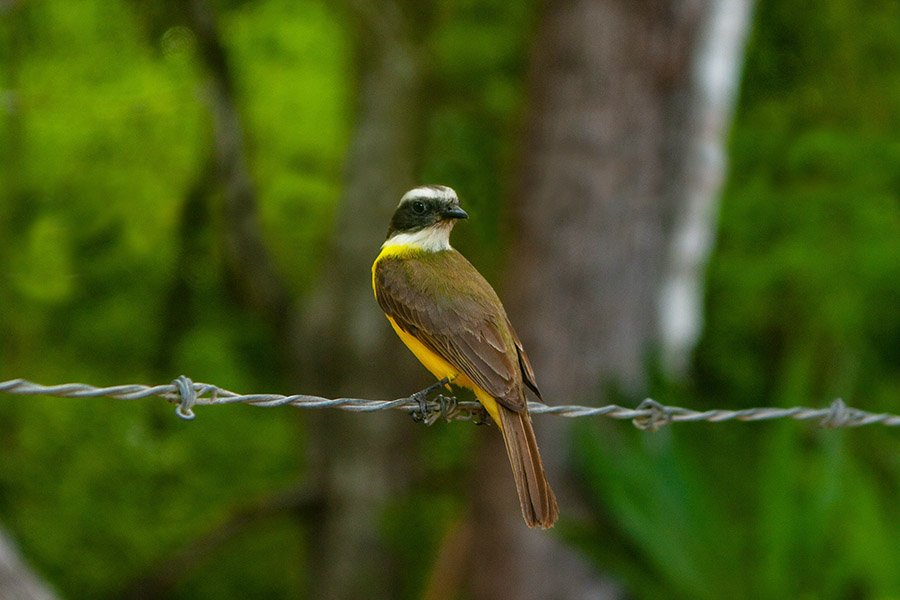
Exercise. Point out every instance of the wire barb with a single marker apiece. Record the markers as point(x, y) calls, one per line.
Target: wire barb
point(649, 414)
point(188, 395)
point(657, 416)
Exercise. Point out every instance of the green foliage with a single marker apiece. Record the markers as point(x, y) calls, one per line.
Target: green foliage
point(109, 274)
point(111, 269)
point(665, 505)
point(802, 299)
point(478, 49)
point(280, 577)
point(106, 136)
point(292, 59)
point(810, 224)
point(798, 517)
point(413, 536)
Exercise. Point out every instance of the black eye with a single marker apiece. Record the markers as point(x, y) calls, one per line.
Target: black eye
point(418, 207)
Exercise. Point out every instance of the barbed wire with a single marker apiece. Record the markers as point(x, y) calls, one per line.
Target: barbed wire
point(429, 405)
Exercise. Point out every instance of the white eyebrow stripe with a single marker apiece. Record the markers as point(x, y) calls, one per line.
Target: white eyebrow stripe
point(430, 192)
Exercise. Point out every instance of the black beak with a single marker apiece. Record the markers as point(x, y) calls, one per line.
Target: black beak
point(455, 212)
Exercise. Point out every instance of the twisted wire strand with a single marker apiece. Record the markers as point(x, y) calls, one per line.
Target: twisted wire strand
point(426, 407)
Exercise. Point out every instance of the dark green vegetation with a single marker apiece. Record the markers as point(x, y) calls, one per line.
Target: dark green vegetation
point(802, 307)
point(103, 132)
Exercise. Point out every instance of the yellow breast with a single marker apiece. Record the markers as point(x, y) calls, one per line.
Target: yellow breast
point(432, 361)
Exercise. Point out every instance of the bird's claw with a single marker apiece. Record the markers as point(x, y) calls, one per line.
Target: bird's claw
point(429, 411)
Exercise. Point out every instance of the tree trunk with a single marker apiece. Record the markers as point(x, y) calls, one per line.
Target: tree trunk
point(250, 264)
point(594, 212)
point(609, 83)
point(337, 342)
point(359, 457)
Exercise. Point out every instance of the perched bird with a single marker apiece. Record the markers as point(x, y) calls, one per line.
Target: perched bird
point(451, 319)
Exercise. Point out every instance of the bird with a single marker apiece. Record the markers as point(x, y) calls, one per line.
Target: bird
point(452, 320)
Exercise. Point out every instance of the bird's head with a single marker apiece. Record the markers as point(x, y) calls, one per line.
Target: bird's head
point(425, 216)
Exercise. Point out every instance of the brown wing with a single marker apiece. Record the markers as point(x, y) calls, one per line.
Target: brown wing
point(442, 300)
point(525, 364)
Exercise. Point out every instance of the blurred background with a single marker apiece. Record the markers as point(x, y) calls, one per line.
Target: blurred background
point(696, 200)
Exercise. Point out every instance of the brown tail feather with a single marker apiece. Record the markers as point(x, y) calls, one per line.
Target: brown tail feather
point(535, 496)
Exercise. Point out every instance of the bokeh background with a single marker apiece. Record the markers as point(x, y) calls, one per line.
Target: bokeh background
point(695, 200)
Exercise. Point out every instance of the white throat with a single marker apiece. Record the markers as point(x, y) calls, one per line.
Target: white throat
point(430, 239)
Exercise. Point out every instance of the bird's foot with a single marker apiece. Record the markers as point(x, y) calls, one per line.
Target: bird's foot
point(429, 411)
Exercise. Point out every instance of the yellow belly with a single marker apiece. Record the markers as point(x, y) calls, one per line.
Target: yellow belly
point(440, 368)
